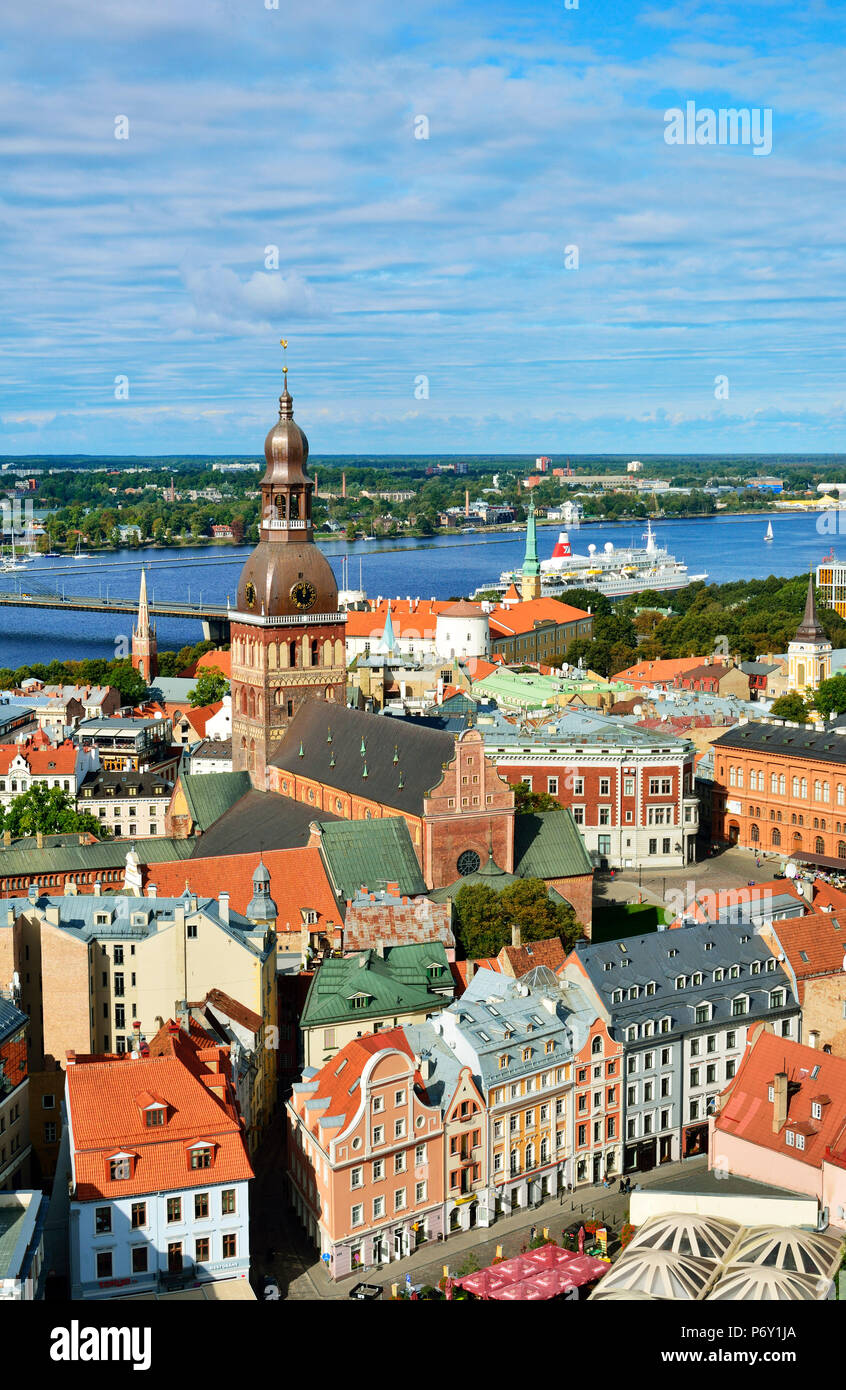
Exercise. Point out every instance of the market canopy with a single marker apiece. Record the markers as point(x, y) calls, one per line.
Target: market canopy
point(547, 1272)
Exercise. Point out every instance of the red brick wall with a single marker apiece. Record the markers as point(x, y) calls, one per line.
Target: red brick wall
point(592, 776)
point(579, 894)
point(777, 811)
point(471, 808)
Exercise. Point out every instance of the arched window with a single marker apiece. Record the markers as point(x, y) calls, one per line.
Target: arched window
point(795, 785)
point(740, 776)
point(826, 791)
point(776, 838)
point(841, 849)
point(315, 652)
point(841, 794)
point(596, 1046)
point(732, 776)
point(782, 784)
point(294, 653)
point(804, 791)
point(773, 782)
point(797, 840)
point(754, 834)
point(819, 845)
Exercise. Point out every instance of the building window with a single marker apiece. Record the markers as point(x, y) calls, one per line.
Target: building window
point(48, 1102)
point(119, 1169)
point(139, 1259)
point(201, 1158)
point(201, 1250)
point(50, 1132)
point(201, 1206)
point(227, 1201)
point(104, 1264)
point(357, 1216)
point(139, 1215)
point(102, 1221)
point(230, 1246)
point(378, 1208)
point(174, 1209)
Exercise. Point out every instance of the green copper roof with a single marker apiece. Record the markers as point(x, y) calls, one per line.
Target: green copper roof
point(366, 985)
point(106, 854)
point(370, 852)
point(531, 564)
point(548, 845)
point(209, 794)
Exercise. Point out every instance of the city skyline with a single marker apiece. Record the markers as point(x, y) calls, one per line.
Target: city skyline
point(565, 280)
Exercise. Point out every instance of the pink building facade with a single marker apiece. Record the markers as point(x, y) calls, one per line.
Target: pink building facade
point(366, 1155)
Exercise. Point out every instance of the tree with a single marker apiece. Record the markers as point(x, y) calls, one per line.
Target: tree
point(790, 706)
point(50, 810)
point(830, 696)
point(483, 919)
point(527, 800)
point(211, 685)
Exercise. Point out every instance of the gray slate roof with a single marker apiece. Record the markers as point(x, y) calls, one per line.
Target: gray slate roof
point(258, 820)
point(420, 753)
point(827, 745)
point(664, 956)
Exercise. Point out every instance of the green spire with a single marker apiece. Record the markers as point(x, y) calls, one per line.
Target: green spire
point(362, 750)
point(531, 564)
point(329, 734)
point(396, 753)
point(300, 754)
point(364, 771)
point(401, 781)
point(387, 647)
point(332, 760)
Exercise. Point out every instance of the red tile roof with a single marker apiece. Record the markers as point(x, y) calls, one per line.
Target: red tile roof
point(335, 1080)
point(524, 617)
point(199, 716)
point(105, 1099)
point(42, 759)
point(414, 617)
point(651, 672)
point(819, 936)
point(747, 1113)
point(708, 902)
point(522, 959)
point(297, 881)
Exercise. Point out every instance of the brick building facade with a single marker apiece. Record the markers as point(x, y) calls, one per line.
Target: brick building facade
point(782, 788)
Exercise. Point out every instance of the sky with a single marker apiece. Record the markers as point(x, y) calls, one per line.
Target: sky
point(465, 218)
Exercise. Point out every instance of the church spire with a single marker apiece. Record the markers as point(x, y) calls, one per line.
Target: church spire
point(810, 629)
point(145, 657)
point(531, 585)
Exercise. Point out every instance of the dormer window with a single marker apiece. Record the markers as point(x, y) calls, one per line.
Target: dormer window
point(755, 968)
point(200, 1156)
point(359, 1001)
point(681, 981)
point(154, 1115)
point(120, 1167)
point(719, 975)
point(734, 972)
point(617, 997)
point(816, 1110)
point(650, 988)
point(696, 979)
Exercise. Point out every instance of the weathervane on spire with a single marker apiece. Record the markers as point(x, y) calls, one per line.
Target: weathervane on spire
point(284, 343)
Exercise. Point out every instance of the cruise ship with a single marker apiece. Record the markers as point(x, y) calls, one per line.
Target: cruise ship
point(615, 571)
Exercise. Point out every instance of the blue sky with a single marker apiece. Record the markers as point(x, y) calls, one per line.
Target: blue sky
point(399, 257)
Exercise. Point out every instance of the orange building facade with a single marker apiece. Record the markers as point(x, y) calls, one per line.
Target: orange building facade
point(782, 789)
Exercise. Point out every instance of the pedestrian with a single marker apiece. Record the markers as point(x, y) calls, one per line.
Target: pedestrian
point(534, 1233)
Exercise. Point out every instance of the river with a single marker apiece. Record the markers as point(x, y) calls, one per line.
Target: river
point(725, 547)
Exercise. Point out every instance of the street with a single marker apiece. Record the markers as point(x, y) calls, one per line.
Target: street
point(302, 1276)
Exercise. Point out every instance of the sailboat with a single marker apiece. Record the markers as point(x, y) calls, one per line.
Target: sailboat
point(79, 553)
point(769, 535)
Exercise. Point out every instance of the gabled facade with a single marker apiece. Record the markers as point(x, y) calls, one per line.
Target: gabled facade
point(159, 1171)
point(365, 1155)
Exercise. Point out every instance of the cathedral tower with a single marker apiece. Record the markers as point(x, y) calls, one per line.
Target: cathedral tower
point(145, 653)
point(287, 635)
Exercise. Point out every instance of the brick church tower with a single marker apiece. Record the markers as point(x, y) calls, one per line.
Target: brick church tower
point(287, 635)
point(145, 652)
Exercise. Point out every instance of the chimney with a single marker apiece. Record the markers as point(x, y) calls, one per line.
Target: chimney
point(71, 1057)
point(380, 949)
point(39, 839)
point(136, 1034)
point(779, 1101)
point(152, 890)
point(516, 935)
point(223, 907)
point(98, 888)
point(7, 838)
point(471, 970)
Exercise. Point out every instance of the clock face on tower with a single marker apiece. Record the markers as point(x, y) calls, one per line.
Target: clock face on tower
point(303, 594)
